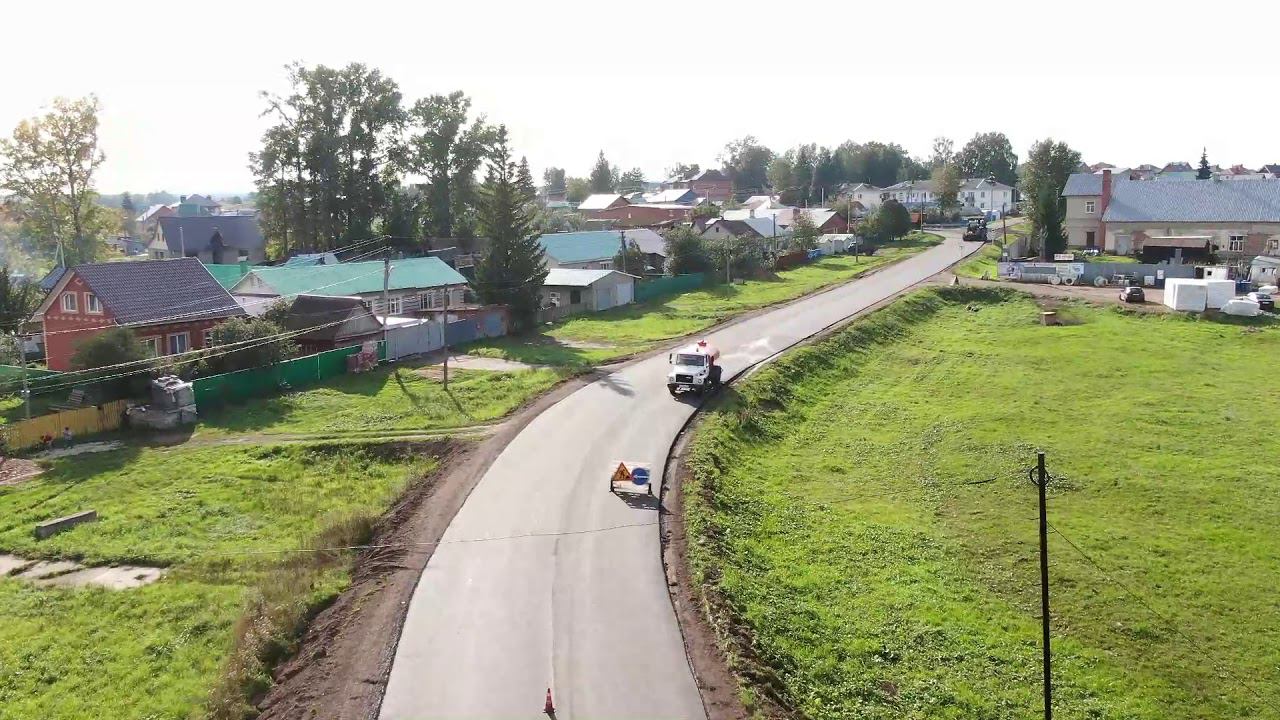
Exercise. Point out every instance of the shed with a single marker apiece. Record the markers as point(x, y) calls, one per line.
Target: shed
point(570, 291)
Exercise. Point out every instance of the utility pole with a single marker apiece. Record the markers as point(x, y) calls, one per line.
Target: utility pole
point(444, 333)
point(386, 286)
point(1042, 480)
point(182, 242)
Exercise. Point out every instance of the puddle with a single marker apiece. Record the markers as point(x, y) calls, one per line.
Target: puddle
point(67, 573)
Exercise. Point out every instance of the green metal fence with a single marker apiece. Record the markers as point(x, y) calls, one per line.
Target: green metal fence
point(265, 381)
point(649, 289)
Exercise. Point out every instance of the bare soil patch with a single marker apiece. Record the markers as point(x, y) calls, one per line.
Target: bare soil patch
point(15, 470)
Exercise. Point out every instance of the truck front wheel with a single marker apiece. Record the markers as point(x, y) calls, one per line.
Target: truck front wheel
point(672, 389)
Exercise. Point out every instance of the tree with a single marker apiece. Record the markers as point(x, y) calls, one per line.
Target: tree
point(327, 167)
point(111, 347)
point(263, 352)
point(48, 165)
point(682, 171)
point(603, 177)
point(746, 162)
point(890, 221)
point(686, 252)
point(732, 256)
point(946, 183)
point(577, 190)
point(18, 300)
point(524, 178)
point(129, 214)
point(553, 180)
point(877, 163)
point(449, 151)
point(513, 269)
point(630, 259)
point(1205, 172)
point(547, 220)
point(1048, 221)
point(944, 152)
point(631, 181)
point(989, 155)
point(401, 222)
point(1048, 164)
point(804, 235)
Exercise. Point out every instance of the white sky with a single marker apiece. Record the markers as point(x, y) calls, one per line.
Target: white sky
point(655, 83)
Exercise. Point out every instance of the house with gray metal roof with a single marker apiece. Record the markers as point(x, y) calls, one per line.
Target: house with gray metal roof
point(1174, 220)
point(568, 291)
point(212, 238)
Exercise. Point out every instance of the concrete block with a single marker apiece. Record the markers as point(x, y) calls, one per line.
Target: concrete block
point(57, 525)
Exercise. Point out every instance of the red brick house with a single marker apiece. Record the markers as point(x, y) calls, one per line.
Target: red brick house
point(645, 215)
point(710, 184)
point(170, 304)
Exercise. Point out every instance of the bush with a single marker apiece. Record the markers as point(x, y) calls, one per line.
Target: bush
point(253, 354)
point(109, 348)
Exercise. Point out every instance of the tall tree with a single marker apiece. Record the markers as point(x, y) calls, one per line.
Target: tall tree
point(48, 165)
point(631, 181)
point(328, 165)
point(524, 178)
point(989, 155)
point(577, 189)
point(1048, 222)
point(686, 252)
point(129, 214)
point(449, 150)
point(553, 180)
point(804, 234)
point(944, 151)
point(401, 222)
point(682, 171)
point(513, 268)
point(1205, 172)
point(1048, 165)
point(603, 177)
point(746, 162)
point(17, 300)
point(946, 183)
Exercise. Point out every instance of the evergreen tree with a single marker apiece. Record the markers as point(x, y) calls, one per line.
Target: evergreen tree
point(524, 178)
point(1048, 219)
point(804, 235)
point(603, 178)
point(1205, 172)
point(126, 203)
point(513, 270)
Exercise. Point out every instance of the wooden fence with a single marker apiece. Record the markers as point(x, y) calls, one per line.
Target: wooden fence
point(84, 421)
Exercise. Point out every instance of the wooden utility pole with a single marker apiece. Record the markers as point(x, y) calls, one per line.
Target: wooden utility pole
point(386, 287)
point(444, 333)
point(1042, 479)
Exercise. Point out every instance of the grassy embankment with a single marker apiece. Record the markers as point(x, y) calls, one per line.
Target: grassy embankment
point(202, 638)
point(591, 339)
point(861, 512)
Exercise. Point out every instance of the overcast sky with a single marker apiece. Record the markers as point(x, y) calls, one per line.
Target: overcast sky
point(656, 83)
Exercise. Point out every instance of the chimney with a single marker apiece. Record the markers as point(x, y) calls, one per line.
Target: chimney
point(244, 265)
point(181, 198)
point(1104, 201)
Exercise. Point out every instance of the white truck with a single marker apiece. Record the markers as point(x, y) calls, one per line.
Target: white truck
point(693, 368)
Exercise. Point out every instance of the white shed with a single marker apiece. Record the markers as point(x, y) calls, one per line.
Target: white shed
point(1186, 294)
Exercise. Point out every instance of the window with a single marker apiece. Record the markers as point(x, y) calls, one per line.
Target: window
point(69, 303)
point(208, 338)
point(91, 304)
point(152, 344)
point(1235, 243)
point(575, 297)
point(393, 305)
point(1089, 206)
point(1089, 240)
point(178, 343)
point(434, 300)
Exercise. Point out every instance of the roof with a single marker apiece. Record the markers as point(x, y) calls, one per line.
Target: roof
point(355, 278)
point(983, 184)
point(226, 275)
point(648, 241)
point(305, 259)
point(600, 201)
point(567, 277)
point(311, 310)
point(674, 195)
point(1195, 201)
point(1177, 167)
point(576, 247)
point(1273, 169)
point(708, 174)
point(1082, 184)
point(150, 212)
point(820, 216)
point(862, 186)
point(759, 226)
point(1266, 261)
point(185, 235)
point(50, 280)
point(146, 291)
point(202, 201)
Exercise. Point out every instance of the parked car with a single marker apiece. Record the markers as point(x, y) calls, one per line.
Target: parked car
point(1266, 301)
point(1132, 294)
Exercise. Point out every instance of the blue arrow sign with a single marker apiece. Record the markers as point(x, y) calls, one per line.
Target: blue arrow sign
point(640, 476)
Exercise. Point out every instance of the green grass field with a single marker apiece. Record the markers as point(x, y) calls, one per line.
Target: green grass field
point(599, 337)
point(983, 263)
point(214, 516)
point(395, 397)
point(862, 509)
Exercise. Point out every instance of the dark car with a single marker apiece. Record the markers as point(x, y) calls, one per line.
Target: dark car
point(1265, 301)
point(1133, 294)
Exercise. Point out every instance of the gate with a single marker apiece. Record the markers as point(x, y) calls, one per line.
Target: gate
point(414, 339)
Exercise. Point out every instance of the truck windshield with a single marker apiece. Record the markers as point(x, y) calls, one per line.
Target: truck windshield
point(691, 359)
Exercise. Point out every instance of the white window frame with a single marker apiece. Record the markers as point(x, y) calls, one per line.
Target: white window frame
point(207, 337)
point(73, 306)
point(92, 305)
point(169, 342)
point(1090, 207)
point(1235, 243)
point(434, 301)
point(153, 343)
point(394, 305)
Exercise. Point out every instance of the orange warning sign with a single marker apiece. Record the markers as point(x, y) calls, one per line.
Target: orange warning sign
point(621, 475)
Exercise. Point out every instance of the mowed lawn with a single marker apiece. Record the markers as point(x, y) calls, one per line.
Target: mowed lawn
point(595, 338)
point(391, 398)
point(862, 508)
point(217, 517)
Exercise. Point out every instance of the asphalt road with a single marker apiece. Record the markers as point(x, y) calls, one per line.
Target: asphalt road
point(545, 578)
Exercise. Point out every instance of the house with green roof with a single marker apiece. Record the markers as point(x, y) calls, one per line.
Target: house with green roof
point(227, 275)
point(596, 249)
point(413, 284)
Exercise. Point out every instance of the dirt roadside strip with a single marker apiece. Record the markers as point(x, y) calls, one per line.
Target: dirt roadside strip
point(344, 659)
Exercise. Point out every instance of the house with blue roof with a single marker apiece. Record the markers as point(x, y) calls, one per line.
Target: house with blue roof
point(596, 249)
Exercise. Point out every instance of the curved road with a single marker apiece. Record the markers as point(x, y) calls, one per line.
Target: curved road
point(545, 578)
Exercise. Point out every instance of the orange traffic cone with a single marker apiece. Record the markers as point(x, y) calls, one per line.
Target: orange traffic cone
point(549, 708)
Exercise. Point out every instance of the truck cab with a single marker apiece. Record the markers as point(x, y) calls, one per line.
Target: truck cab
point(693, 369)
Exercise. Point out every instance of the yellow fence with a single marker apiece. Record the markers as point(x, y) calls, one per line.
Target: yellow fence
point(85, 421)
